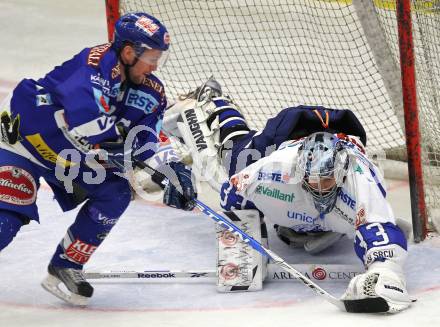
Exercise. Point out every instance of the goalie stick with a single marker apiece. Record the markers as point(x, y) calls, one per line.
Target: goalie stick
point(320, 272)
point(368, 305)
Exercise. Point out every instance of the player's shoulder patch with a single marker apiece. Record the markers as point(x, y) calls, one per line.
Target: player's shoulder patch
point(96, 54)
point(116, 71)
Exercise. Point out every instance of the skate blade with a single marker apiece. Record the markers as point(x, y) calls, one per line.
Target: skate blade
point(51, 284)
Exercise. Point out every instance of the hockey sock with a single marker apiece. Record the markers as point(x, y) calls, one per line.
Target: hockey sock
point(83, 237)
point(10, 224)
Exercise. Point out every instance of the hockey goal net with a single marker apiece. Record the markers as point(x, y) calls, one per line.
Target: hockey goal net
point(273, 54)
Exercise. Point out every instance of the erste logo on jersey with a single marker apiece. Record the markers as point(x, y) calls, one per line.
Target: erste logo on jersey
point(142, 101)
point(275, 176)
point(347, 199)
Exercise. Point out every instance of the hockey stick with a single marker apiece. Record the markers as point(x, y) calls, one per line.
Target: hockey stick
point(363, 305)
point(321, 272)
point(151, 275)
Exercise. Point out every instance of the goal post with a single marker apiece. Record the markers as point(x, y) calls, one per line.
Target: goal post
point(412, 126)
point(354, 54)
point(112, 14)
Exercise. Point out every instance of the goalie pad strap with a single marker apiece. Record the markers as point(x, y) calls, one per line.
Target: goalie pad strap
point(225, 113)
point(232, 119)
point(214, 115)
point(232, 133)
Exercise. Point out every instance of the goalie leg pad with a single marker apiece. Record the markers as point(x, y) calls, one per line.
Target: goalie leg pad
point(321, 241)
point(205, 121)
point(239, 267)
point(226, 117)
point(313, 243)
point(201, 143)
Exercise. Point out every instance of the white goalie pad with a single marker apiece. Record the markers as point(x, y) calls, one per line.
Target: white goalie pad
point(239, 266)
point(187, 120)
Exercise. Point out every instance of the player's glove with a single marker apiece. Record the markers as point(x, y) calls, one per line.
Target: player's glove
point(383, 280)
point(119, 155)
point(9, 128)
point(173, 197)
point(230, 199)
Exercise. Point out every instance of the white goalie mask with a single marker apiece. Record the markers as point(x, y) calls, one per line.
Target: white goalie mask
point(322, 166)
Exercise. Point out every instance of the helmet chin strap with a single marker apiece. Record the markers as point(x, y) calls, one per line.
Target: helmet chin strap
point(127, 69)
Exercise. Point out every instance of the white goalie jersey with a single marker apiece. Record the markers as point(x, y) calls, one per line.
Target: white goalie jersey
point(272, 185)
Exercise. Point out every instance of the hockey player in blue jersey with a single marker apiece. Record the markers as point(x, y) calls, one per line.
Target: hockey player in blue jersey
point(308, 175)
point(70, 128)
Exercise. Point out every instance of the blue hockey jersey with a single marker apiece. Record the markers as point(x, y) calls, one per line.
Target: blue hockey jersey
point(78, 104)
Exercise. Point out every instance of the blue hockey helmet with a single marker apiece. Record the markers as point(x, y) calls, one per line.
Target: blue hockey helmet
point(143, 32)
point(323, 165)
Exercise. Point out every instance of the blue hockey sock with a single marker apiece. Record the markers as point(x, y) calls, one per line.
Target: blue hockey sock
point(82, 238)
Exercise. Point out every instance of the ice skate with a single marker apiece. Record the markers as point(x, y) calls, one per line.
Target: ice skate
point(78, 290)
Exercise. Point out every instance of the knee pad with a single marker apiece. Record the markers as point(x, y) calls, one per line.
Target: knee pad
point(10, 224)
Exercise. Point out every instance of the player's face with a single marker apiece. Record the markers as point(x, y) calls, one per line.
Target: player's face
point(322, 185)
point(147, 63)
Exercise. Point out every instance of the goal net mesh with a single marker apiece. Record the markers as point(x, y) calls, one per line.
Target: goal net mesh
point(273, 54)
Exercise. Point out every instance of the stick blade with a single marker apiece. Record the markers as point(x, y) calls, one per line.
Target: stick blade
point(369, 305)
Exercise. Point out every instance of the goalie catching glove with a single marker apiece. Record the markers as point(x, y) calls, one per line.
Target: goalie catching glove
point(382, 288)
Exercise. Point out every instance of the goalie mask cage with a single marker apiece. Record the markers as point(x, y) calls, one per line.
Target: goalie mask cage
point(273, 54)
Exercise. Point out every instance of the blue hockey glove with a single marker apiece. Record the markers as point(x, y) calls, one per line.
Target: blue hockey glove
point(230, 199)
point(172, 197)
point(117, 156)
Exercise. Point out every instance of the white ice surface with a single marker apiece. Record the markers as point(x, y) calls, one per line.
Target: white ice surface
point(35, 36)
point(152, 237)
